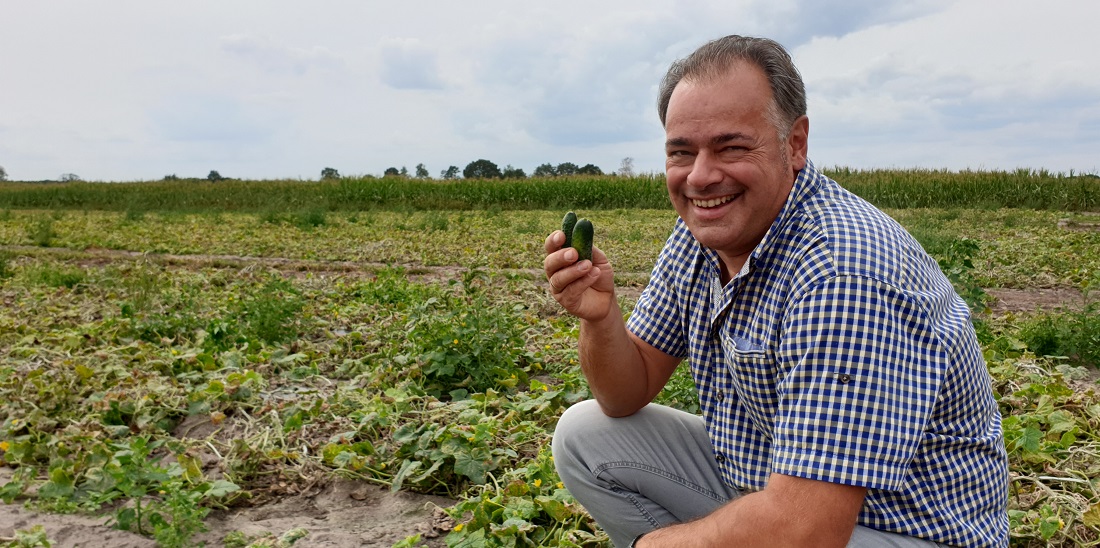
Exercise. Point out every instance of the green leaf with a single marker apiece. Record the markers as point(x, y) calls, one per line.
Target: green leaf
point(475, 539)
point(556, 509)
point(1050, 526)
point(1030, 439)
point(474, 465)
point(407, 467)
point(61, 484)
point(192, 467)
point(221, 488)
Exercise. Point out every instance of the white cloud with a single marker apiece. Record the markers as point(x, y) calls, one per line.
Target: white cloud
point(965, 87)
point(273, 88)
point(273, 57)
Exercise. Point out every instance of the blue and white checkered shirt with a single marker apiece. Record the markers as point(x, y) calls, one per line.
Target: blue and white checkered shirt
point(840, 353)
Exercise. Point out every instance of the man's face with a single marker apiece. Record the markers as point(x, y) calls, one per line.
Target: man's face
point(728, 171)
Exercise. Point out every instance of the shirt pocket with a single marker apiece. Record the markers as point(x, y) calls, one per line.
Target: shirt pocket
point(753, 371)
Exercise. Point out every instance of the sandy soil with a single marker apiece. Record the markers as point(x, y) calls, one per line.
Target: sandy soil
point(342, 514)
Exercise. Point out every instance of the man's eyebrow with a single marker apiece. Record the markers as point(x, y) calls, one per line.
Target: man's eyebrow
point(727, 137)
point(716, 140)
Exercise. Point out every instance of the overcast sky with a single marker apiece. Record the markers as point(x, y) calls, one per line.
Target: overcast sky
point(124, 90)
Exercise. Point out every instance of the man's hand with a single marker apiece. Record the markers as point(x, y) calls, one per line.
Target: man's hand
point(585, 288)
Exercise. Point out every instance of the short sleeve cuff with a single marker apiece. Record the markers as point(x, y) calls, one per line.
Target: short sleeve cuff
point(833, 468)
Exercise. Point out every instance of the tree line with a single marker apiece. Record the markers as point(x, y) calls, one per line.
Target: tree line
point(477, 169)
point(486, 169)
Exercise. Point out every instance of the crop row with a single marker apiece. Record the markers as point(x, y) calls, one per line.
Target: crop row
point(885, 188)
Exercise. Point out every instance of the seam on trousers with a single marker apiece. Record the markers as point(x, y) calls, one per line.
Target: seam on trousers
point(637, 504)
point(658, 472)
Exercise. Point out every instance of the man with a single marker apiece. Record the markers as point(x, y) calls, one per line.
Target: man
point(843, 394)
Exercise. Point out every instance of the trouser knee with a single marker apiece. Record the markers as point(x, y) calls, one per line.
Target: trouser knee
point(573, 431)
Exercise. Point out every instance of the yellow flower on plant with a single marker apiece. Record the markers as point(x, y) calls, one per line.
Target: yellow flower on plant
point(4, 445)
point(538, 483)
point(458, 528)
point(456, 341)
point(561, 485)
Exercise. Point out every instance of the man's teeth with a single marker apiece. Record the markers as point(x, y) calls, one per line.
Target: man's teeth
point(712, 202)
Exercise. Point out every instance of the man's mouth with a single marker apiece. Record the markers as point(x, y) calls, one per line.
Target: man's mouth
point(713, 202)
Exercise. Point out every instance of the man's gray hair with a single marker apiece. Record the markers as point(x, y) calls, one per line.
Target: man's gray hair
point(714, 58)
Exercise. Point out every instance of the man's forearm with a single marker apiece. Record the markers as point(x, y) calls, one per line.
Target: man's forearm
point(789, 512)
point(613, 365)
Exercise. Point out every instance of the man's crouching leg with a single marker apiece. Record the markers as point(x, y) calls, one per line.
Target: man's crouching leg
point(637, 473)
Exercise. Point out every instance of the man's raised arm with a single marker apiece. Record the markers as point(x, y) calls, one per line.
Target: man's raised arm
point(623, 372)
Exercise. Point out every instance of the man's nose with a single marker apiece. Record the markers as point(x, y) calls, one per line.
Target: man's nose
point(704, 170)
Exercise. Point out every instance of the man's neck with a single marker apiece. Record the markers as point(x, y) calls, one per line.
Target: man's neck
point(728, 266)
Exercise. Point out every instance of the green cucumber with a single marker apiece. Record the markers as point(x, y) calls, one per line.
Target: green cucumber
point(582, 239)
point(567, 225)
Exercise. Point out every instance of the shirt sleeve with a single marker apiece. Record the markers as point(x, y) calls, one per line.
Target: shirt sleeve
point(864, 371)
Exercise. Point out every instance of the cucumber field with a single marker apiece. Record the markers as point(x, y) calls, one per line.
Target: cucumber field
point(178, 358)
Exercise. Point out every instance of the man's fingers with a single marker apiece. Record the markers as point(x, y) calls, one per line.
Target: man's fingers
point(560, 278)
point(554, 241)
point(569, 284)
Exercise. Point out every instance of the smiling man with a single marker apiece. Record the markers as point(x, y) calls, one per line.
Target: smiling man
point(844, 399)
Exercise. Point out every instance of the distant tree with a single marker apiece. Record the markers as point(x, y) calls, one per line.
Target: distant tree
point(214, 176)
point(171, 177)
point(626, 168)
point(567, 168)
point(422, 172)
point(545, 170)
point(513, 172)
point(69, 177)
point(481, 169)
point(391, 172)
point(449, 173)
point(3, 174)
point(590, 169)
point(404, 171)
point(329, 173)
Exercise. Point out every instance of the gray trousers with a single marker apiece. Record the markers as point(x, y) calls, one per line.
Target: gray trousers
point(651, 469)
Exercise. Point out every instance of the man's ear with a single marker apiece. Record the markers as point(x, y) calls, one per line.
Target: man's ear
point(798, 142)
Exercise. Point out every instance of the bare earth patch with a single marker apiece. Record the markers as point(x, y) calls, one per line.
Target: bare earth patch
point(341, 514)
point(1035, 300)
point(67, 530)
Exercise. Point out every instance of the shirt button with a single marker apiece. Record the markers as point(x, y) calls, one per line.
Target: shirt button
point(843, 378)
point(720, 458)
point(721, 396)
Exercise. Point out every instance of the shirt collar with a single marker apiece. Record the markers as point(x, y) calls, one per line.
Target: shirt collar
point(805, 184)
